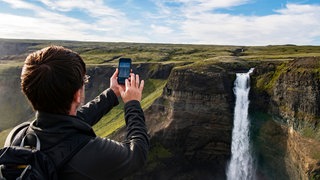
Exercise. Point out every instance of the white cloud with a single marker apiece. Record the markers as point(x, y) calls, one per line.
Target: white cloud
point(20, 4)
point(200, 6)
point(296, 24)
point(47, 23)
point(95, 8)
point(35, 28)
point(187, 21)
point(161, 29)
point(191, 8)
point(299, 9)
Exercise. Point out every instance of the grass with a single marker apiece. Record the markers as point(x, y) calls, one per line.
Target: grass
point(153, 53)
point(115, 118)
point(267, 81)
point(281, 51)
point(7, 67)
point(156, 153)
point(312, 132)
point(106, 52)
point(280, 70)
point(193, 53)
point(315, 153)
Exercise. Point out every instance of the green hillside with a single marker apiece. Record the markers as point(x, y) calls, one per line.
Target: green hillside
point(108, 53)
point(115, 119)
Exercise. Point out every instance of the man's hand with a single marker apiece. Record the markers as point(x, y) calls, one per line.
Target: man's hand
point(114, 85)
point(133, 89)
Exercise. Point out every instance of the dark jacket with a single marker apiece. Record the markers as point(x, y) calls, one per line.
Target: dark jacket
point(99, 158)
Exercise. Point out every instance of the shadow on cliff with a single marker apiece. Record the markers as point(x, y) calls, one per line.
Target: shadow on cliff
point(269, 147)
point(268, 136)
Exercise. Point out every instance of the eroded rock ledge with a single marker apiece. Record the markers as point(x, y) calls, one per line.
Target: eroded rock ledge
point(290, 92)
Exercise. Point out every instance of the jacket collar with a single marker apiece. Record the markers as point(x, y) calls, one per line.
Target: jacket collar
point(51, 128)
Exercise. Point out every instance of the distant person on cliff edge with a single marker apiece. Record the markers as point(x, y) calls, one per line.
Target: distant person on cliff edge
point(53, 80)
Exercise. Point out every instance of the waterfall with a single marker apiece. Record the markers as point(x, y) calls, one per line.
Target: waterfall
point(241, 165)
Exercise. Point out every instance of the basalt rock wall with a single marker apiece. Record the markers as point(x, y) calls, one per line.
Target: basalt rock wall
point(192, 121)
point(290, 93)
point(293, 90)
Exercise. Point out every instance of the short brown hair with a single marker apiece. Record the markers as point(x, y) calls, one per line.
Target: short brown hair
point(50, 77)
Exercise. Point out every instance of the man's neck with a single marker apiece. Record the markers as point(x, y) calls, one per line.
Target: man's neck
point(73, 109)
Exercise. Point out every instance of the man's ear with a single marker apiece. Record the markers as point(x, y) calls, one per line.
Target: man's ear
point(75, 103)
point(77, 96)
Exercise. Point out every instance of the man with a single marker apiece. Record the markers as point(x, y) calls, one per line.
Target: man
point(53, 80)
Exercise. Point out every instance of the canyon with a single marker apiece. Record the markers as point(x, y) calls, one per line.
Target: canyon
point(190, 120)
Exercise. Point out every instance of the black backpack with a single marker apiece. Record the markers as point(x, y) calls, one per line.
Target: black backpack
point(27, 162)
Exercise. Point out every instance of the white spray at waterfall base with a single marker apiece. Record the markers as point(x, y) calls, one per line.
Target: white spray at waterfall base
point(241, 165)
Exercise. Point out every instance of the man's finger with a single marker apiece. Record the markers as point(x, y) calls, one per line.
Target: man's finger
point(127, 83)
point(137, 80)
point(115, 74)
point(133, 80)
point(141, 85)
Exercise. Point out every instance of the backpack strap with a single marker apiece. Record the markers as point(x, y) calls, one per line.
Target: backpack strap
point(13, 135)
point(30, 139)
point(60, 154)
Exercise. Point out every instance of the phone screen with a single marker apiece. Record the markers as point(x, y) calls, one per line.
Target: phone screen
point(124, 69)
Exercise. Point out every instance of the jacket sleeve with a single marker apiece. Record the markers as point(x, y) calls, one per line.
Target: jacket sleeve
point(93, 111)
point(137, 137)
point(107, 159)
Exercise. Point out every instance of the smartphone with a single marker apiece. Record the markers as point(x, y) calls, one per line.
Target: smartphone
point(124, 69)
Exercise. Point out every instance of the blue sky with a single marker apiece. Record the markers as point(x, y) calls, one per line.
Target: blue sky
point(223, 22)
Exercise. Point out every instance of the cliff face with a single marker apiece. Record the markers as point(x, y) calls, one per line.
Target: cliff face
point(192, 120)
point(290, 93)
point(296, 94)
point(13, 106)
point(13, 50)
point(191, 123)
point(293, 88)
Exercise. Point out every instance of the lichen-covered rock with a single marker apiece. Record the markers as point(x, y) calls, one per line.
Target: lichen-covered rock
point(291, 93)
point(296, 93)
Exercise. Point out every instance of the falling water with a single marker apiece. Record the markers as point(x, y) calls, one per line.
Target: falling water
point(241, 164)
